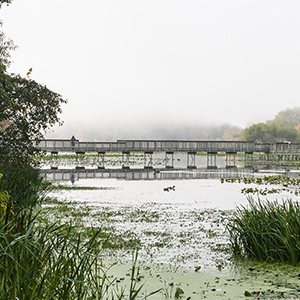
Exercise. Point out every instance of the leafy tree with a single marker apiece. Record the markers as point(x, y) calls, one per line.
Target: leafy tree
point(258, 132)
point(262, 132)
point(5, 1)
point(289, 117)
point(284, 133)
point(28, 107)
point(27, 110)
point(284, 127)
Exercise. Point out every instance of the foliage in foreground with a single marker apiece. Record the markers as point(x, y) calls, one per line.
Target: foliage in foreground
point(24, 185)
point(267, 231)
point(55, 264)
point(27, 111)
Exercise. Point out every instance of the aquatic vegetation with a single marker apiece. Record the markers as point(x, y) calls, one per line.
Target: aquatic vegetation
point(160, 239)
point(108, 237)
point(285, 184)
point(141, 215)
point(266, 180)
point(160, 231)
point(60, 187)
point(56, 263)
point(41, 259)
point(267, 230)
point(262, 192)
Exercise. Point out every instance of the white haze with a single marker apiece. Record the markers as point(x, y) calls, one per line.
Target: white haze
point(126, 65)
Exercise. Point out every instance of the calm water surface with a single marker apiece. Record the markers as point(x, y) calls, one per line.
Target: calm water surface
point(185, 227)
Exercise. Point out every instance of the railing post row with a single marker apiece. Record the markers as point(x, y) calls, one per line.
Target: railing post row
point(169, 145)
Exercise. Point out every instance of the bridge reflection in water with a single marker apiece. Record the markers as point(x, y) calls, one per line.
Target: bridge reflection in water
point(143, 174)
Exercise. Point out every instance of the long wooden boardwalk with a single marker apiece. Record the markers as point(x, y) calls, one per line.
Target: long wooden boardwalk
point(169, 146)
point(281, 152)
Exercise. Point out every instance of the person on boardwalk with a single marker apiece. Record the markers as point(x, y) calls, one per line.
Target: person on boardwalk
point(73, 140)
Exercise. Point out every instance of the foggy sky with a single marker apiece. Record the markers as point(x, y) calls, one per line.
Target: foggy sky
point(128, 62)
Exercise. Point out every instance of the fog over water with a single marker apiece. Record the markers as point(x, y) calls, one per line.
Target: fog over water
point(137, 68)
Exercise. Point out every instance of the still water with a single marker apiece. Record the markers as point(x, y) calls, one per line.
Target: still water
point(181, 232)
point(182, 227)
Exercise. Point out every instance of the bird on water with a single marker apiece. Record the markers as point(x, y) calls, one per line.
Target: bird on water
point(169, 188)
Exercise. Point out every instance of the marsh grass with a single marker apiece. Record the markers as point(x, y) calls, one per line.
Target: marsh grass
point(51, 264)
point(267, 230)
point(46, 260)
point(56, 263)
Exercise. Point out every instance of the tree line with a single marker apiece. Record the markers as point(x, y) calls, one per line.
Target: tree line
point(284, 127)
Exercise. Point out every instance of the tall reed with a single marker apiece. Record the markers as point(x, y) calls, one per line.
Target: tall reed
point(53, 263)
point(56, 264)
point(267, 230)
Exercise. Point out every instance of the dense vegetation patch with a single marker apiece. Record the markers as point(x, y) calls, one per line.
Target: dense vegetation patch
point(267, 231)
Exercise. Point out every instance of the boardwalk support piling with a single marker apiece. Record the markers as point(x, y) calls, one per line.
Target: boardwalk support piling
point(148, 160)
point(191, 160)
point(54, 161)
point(230, 160)
point(79, 160)
point(169, 160)
point(249, 159)
point(125, 160)
point(212, 160)
point(101, 164)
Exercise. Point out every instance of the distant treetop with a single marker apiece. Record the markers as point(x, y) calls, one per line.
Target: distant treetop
point(284, 127)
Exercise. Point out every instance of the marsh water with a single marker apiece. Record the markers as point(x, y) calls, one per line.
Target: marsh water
point(182, 228)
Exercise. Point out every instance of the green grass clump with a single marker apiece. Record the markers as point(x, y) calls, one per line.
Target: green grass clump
point(45, 265)
point(55, 264)
point(267, 231)
point(51, 262)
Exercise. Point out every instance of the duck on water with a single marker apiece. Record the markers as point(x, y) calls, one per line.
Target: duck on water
point(169, 188)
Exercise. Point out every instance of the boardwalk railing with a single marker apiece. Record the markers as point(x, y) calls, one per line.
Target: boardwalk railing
point(51, 145)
